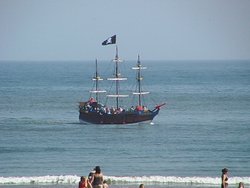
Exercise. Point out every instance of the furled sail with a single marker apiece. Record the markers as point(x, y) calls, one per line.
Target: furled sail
point(119, 95)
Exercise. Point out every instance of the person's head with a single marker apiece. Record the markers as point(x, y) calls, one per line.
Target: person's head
point(224, 170)
point(141, 186)
point(241, 185)
point(98, 169)
point(82, 178)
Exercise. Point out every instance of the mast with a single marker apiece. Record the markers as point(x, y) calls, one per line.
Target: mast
point(97, 78)
point(117, 78)
point(139, 78)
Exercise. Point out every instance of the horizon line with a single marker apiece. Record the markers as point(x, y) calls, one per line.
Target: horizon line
point(128, 60)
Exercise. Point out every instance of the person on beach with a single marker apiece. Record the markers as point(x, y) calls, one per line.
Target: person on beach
point(241, 185)
point(97, 179)
point(90, 176)
point(141, 186)
point(224, 178)
point(105, 184)
point(84, 183)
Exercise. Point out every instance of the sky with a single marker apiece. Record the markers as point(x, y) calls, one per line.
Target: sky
point(65, 30)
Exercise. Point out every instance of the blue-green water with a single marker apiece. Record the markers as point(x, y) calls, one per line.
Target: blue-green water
point(204, 127)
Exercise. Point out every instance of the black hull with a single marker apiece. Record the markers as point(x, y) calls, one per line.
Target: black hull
point(122, 118)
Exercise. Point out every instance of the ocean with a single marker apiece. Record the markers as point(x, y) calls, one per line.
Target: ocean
point(204, 126)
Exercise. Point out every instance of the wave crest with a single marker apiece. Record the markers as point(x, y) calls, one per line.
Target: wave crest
point(74, 179)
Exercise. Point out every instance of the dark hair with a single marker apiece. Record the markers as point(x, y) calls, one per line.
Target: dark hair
point(98, 169)
point(82, 178)
point(224, 170)
point(241, 184)
point(141, 186)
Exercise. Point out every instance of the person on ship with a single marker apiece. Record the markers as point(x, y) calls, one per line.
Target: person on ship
point(145, 109)
point(108, 110)
point(97, 179)
point(119, 110)
point(139, 108)
point(131, 109)
point(112, 110)
point(91, 100)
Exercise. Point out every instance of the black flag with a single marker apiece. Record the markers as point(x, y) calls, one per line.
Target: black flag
point(110, 40)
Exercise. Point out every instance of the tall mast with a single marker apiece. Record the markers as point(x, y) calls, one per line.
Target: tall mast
point(117, 78)
point(97, 78)
point(139, 78)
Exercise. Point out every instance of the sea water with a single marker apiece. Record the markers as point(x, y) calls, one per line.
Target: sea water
point(204, 126)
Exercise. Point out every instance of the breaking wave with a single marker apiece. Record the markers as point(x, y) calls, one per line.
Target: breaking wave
point(73, 179)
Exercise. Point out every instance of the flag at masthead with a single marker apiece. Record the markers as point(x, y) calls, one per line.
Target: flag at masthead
point(110, 40)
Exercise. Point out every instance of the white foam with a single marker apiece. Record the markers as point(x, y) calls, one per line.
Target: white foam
point(182, 180)
point(73, 179)
point(67, 179)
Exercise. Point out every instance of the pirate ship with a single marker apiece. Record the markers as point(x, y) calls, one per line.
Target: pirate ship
point(93, 111)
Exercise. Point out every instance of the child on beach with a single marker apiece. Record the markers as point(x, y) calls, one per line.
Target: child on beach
point(141, 186)
point(105, 184)
point(84, 183)
point(241, 185)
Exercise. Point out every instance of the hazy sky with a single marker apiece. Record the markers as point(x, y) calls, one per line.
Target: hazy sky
point(157, 29)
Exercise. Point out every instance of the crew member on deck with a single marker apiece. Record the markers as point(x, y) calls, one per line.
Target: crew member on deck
point(139, 108)
point(91, 100)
